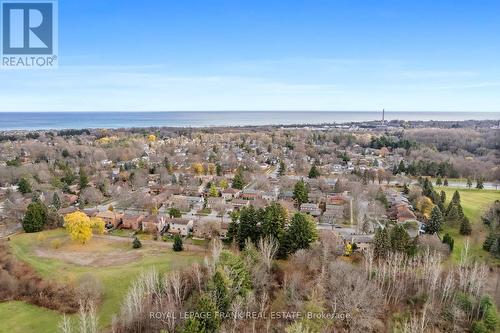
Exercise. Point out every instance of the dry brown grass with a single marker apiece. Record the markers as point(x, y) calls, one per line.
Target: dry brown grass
point(19, 281)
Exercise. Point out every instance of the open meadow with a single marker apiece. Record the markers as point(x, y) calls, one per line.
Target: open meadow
point(474, 203)
point(55, 257)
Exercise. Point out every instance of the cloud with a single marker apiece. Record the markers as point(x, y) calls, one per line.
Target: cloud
point(281, 84)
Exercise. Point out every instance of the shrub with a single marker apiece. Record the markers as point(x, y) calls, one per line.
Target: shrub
point(24, 186)
point(40, 238)
point(177, 243)
point(479, 327)
point(55, 244)
point(90, 288)
point(136, 244)
point(19, 281)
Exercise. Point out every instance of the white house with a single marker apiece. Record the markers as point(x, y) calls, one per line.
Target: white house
point(180, 226)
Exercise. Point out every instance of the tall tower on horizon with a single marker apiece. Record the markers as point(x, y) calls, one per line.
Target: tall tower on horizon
point(383, 116)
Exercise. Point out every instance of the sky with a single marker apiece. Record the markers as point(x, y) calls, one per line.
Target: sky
point(165, 55)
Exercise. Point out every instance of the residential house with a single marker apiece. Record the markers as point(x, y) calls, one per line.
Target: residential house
point(180, 226)
point(150, 223)
point(310, 208)
point(110, 218)
point(70, 199)
point(230, 193)
point(67, 210)
point(215, 201)
point(240, 203)
point(270, 196)
point(249, 194)
point(90, 212)
point(316, 196)
point(132, 221)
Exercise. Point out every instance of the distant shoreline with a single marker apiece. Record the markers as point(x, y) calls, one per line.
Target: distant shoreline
point(33, 121)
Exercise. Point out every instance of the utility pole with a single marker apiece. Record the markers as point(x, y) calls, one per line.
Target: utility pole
point(383, 116)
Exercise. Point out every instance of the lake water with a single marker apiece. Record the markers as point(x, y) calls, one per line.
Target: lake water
point(65, 120)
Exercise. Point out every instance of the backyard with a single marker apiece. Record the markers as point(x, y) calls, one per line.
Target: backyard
point(55, 256)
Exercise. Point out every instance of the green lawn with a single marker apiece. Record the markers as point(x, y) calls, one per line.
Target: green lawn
point(25, 318)
point(474, 203)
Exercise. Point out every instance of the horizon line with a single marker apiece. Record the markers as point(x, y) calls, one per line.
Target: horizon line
point(277, 110)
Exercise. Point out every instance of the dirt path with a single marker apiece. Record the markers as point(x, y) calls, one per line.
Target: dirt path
point(162, 244)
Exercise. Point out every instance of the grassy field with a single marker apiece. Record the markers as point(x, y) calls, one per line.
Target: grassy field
point(474, 203)
point(115, 264)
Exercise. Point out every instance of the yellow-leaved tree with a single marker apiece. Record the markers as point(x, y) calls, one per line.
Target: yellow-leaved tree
point(98, 225)
point(80, 226)
point(424, 206)
point(223, 183)
point(198, 168)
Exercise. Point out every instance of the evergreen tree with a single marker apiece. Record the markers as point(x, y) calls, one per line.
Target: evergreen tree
point(445, 182)
point(282, 168)
point(465, 226)
point(492, 220)
point(447, 239)
point(427, 188)
point(238, 181)
point(174, 212)
point(401, 167)
point(406, 189)
point(399, 238)
point(35, 217)
point(218, 170)
point(436, 199)
point(136, 243)
point(443, 197)
point(469, 182)
point(274, 221)
point(453, 216)
point(56, 201)
point(220, 293)
point(83, 179)
point(439, 181)
point(206, 314)
point(300, 234)
point(65, 153)
point(232, 229)
point(490, 317)
point(192, 325)
point(479, 184)
point(495, 247)
point(456, 197)
point(435, 221)
point(381, 242)
point(479, 327)
point(300, 192)
point(24, 186)
point(395, 169)
point(490, 239)
point(248, 226)
point(177, 246)
point(338, 186)
point(314, 172)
